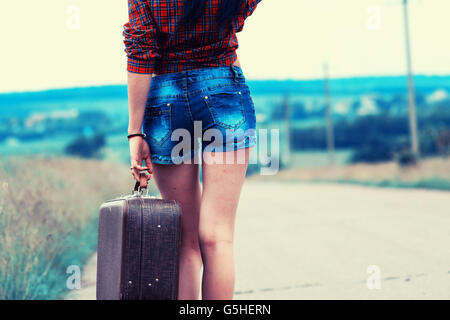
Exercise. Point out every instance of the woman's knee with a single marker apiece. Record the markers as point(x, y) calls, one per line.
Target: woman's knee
point(190, 241)
point(212, 238)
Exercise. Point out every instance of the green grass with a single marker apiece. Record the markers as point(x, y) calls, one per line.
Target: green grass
point(48, 220)
point(436, 183)
point(432, 184)
point(430, 173)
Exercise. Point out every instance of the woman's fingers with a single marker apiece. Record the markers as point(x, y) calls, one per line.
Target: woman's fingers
point(143, 180)
point(142, 168)
point(148, 164)
point(135, 169)
point(135, 173)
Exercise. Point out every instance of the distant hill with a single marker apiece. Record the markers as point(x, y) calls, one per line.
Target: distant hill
point(341, 86)
point(82, 93)
point(351, 86)
point(112, 98)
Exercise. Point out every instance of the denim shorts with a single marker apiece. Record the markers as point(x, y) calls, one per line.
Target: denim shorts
point(207, 109)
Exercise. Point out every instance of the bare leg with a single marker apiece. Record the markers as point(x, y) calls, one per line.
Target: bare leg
point(222, 184)
point(181, 183)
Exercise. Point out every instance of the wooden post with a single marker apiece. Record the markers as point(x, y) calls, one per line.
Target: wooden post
point(286, 154)
point(411, 91)
point(328, 115)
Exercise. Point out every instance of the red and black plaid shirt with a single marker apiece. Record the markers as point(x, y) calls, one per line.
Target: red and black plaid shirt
point(154, 44)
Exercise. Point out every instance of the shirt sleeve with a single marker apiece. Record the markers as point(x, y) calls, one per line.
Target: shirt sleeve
point(251, 6)
point(140, 38)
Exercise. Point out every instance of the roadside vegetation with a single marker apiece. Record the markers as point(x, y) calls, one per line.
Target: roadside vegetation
point(48, 220)
point(429, 173)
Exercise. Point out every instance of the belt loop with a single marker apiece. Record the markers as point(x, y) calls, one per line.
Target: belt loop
point(234, 73)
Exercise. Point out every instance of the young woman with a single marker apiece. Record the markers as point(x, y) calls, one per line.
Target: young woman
point(184, 80)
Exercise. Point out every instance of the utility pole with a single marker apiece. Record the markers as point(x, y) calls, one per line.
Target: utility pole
point(411, 92)
point(287, 157)
point(328, 115)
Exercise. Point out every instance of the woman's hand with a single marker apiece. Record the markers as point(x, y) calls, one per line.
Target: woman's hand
point(138, 88)
point(139, 151)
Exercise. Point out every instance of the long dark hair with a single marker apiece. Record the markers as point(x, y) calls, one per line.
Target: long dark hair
point(194, 9)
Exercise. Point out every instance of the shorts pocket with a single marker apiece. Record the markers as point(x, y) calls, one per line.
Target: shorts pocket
point(226, 106)
point(157, 122)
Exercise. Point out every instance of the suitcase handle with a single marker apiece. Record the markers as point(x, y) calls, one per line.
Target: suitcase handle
point(142, 183)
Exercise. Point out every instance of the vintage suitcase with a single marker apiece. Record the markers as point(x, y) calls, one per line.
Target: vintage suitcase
point(138, 245)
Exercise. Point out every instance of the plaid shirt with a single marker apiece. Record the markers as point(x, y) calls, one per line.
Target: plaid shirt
point(155, 44)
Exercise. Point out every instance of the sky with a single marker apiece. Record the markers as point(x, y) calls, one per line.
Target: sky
point(66, 43)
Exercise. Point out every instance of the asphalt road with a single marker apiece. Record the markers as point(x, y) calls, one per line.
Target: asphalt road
point(332, 241)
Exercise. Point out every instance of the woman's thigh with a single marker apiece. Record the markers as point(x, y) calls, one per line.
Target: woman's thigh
point(181, 183)
point(222, 185)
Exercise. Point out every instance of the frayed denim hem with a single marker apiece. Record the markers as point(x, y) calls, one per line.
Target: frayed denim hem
point(171, 160)
point(161, 159)
point(247, 142)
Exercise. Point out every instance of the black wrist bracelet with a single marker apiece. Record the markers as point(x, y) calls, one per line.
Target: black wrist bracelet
point(142, 135)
